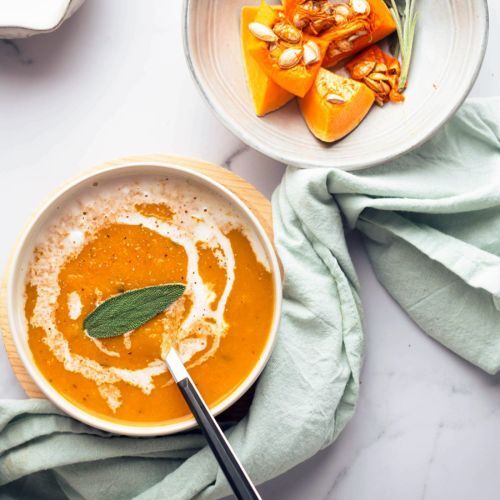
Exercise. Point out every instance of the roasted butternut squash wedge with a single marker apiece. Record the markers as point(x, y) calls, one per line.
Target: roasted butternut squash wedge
point(290, 58)
point(335, 105)
point(267, 95)
point(348, 26)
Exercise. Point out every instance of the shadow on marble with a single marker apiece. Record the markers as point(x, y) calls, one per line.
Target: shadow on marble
point(40, 55)
point(263, 172)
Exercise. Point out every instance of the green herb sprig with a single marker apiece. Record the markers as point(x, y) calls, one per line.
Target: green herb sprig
point(130, 310)
point(406, 22)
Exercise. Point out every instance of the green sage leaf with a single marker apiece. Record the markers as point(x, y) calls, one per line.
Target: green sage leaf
point(130, 310)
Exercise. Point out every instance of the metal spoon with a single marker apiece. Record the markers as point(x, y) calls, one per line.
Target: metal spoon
point(233, 470)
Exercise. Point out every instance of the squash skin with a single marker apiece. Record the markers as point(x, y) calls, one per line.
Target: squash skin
point(331, 122)
point(297, 80)
point(382, 25)
point(267, 96)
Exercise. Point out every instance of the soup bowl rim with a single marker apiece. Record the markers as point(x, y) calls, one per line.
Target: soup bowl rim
point(15, 292)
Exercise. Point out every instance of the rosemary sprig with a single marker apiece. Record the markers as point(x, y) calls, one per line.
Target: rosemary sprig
point(406, 22)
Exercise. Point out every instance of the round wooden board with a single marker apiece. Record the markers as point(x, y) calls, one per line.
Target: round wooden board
point(256, 201)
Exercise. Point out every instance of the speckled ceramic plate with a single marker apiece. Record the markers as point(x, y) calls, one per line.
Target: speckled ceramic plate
point(450, 45)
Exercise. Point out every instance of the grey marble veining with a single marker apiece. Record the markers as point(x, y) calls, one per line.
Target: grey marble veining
point(234, 155)
point(107, 85)
point(12, 49)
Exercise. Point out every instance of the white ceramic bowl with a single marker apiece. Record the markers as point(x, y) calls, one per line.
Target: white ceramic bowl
point(22, 257)
point(450, 45)
point(23, 18)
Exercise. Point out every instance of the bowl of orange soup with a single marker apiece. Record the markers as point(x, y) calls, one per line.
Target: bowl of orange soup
point(131, 226)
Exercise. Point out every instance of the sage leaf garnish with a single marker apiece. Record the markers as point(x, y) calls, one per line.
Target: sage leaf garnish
point(406, 22)
point(130, 310)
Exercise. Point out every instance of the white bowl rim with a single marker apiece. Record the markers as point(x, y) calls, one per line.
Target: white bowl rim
point(46, 29)
point(248, 139)
point(19, 337)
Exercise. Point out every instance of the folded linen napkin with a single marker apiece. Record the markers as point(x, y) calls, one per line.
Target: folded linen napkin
point(431, 224)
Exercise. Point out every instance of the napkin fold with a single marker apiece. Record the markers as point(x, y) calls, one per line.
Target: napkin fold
point(431, 225)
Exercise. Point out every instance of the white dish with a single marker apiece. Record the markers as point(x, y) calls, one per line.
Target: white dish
point(450, 45)
point(23, 255)
point(23, 18)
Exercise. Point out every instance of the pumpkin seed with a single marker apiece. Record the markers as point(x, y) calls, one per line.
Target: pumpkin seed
point(309, 5)
point(311, 53)
point(339, 19)
point(327, 9)
point(287, 32)
point(385, 87)
point(363, 69)
point(379, 76)
point(380, 68)
point(300, 21)
point(344, 45)
point(372, 84)
point(333, 52)
point(393, 81)
point(343, 9)
point(357, 35)
point(314, 7)
point(289, 58)
point(262, 32)
point(378, 86)
point(335, 99)
point(320, 25)
point(360, 7)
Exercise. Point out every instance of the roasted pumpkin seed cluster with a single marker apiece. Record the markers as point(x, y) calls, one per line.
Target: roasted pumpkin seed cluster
point(288, 47)
point(341, 23)
point(286, 43)
point(317, 16)
point(380, 72)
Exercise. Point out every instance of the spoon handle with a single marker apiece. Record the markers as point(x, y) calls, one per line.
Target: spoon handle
point(233, 470)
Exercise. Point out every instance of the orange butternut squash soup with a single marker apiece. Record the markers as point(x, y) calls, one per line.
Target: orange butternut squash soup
point(131, 234)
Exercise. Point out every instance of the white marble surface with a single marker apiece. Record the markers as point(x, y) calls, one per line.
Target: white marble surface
point(111, 82)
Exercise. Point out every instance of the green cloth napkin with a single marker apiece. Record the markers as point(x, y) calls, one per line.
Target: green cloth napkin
point(431, 224)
